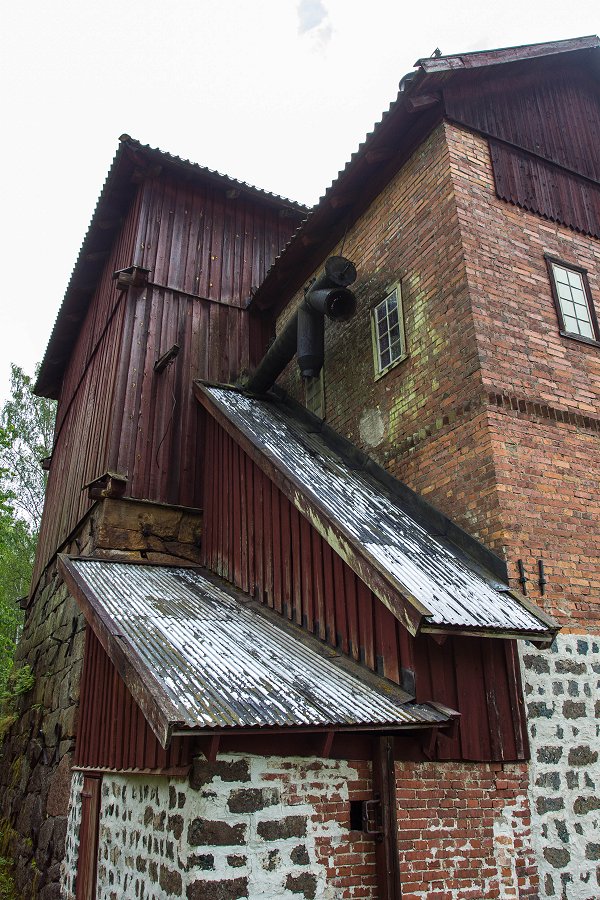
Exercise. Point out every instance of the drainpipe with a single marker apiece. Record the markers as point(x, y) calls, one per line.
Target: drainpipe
point(304, 334)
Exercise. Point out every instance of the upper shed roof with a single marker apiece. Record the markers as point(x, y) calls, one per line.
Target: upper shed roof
point(418, 108)
point(132, 157)
point(197, 656)
point(411, 556)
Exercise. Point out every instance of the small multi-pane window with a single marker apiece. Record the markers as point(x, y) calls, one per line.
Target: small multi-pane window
point(388, 332)
point(574, 307)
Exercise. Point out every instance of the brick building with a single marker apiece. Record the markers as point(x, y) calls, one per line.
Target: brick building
point(339, 630)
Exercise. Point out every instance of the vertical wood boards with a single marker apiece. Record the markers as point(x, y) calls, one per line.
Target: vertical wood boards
point(205, 253)
point(293, 570)
point(113, 732)
point(544, 130)
point(85, 888)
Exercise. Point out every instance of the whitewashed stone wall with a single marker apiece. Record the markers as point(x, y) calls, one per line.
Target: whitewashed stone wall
point(241, 827)
point(69, 863)
point(562, 694)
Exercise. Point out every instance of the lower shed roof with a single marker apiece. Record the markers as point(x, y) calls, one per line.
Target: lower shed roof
point(199, 657)
point(427, 581)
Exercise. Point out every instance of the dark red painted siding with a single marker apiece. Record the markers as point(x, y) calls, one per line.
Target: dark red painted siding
point(256, 539)
point(112, 731)
point(548, 126)
point(86, 404)
point(200, 242)
point(115, 413)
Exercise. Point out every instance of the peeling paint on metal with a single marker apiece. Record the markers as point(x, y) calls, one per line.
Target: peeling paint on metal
point(225, 663)
point(412, 559)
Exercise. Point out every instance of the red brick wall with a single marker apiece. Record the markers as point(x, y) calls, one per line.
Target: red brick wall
point(494, 417)
point(464, 832)
point(422, 419)
point(544, 425)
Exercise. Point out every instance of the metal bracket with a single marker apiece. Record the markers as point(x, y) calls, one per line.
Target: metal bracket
point(372, 818)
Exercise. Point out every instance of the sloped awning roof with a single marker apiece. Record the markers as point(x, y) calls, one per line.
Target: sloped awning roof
point(201, 658)
point(429, 583)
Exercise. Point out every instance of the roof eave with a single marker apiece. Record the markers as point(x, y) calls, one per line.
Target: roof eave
point(403, 605)
point(113, 203)
point(323, 229)
point(506, 55)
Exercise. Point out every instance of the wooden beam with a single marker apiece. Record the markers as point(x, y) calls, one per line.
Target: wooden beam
point(213, 748)
point(386, 850)
point(425, 101)
point(327, 744)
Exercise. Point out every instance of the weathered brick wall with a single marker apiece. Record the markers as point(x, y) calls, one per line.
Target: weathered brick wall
point(519, 344)
point(422, 419)
point(37, 752)
point(242, 827)
point(548, 474)
point(465, 832)
point(547, 463)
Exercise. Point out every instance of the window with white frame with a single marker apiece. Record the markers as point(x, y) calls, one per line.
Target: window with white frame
point(389, 343)
point(573, 300)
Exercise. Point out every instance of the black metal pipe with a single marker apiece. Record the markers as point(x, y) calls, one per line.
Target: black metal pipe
point(304, 333)
point(279, 354)
point(310, 347)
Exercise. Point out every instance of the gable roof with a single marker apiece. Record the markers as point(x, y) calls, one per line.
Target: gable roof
point(414, 559)
point(131, 159)
point(200, 657)
point(417, 110)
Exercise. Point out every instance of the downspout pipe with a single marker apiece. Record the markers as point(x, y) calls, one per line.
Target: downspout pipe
point(304, 334)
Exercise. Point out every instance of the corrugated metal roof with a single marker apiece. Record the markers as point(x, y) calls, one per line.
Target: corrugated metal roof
point(224, 661)
point(453, 592)
point(328, 221)
point(204, 172)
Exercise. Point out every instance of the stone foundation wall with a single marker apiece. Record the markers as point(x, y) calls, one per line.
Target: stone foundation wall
point(35, 771)
point(271, 827)
point(242, 827)
point(37, 750)
point(562, 691)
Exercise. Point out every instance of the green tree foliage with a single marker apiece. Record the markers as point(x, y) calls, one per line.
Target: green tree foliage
point(26, 430)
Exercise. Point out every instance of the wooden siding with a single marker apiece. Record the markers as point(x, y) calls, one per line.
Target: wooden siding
point(86, 403)
point(113, 732)
point(539, 187)
point(256, 539)
point(547, 129)
point(200, 242)
point(115, 413)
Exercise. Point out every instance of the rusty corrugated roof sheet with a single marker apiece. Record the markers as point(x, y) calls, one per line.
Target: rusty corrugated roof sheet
point(364, 522)
point(220, 660)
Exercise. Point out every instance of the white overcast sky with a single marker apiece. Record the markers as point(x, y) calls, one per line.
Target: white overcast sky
point(277, 93)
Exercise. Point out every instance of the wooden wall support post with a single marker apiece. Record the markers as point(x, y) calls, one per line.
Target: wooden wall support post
point(386, 849)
